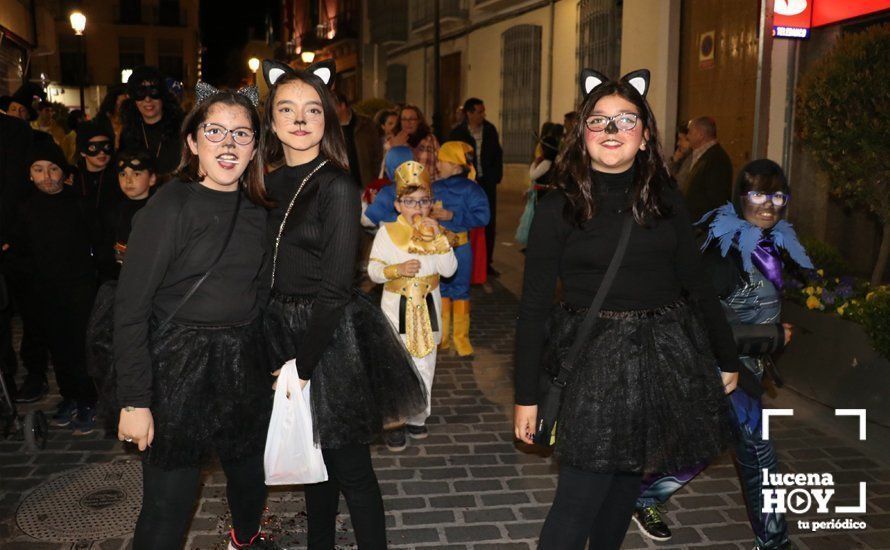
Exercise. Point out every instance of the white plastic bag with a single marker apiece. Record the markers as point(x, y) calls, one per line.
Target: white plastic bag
point(291, 458)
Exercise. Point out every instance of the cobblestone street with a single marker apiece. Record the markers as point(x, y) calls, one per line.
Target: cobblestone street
point(467, 485)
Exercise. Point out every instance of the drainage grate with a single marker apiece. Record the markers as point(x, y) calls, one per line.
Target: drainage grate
point(92, 503)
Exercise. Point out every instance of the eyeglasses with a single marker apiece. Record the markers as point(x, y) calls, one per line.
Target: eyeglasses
point(216, 133)
point(623, 121)
point(757, 198)
point(142, 92)
point(312, 114)
point(413, 203)
point(94, 148)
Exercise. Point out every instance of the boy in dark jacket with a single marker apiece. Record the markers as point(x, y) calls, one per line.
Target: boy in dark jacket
point(53, 230)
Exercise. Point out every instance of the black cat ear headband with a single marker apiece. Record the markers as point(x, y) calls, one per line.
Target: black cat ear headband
point(204, 90)
point(324, 70)
point(591, 80)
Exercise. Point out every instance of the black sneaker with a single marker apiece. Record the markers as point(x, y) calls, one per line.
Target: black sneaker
point(84, 420)
point(32, 390)
point(417, 432)
point(649, 521)
point(65, 413)
point(492, 272)
point(395, 440)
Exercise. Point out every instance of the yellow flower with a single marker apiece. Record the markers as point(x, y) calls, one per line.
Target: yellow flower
point(870, 295)
point(809, 290)
point(840, 310)
point(814, 303)
point(819, 290)
point(821, 272)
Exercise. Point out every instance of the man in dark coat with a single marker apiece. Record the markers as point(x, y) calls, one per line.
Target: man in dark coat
point(482, 136)
point(364, 143)
point(709, 183)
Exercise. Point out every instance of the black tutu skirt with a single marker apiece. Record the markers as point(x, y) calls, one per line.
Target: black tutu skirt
point(100, 354)
point(365, 377)
point(645, 394)
point(212, 391)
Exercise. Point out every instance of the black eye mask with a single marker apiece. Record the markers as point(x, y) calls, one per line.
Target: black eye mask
point(94, 148)
point(134, 164)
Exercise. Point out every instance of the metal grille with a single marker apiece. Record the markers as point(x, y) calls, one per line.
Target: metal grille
point(520, 91)
point(599, 37)
point(396, 83)
point(90, 503)
point(389, 21)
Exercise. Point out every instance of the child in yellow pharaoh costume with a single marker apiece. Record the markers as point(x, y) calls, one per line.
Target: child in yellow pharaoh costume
point(408, 256)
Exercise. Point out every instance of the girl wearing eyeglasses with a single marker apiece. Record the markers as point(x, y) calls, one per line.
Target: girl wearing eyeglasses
point(644, 393)
point(192, 377)
point(151, 120)
point(337, 339)
point(742, 254)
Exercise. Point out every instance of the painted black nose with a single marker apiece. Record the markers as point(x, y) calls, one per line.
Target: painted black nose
point(611, 128)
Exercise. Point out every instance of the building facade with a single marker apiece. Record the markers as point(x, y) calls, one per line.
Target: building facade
point(119, 35)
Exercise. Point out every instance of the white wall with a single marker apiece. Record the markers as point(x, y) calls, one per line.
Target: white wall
point(650, 39)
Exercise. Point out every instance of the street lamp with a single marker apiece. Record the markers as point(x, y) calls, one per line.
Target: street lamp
point(79, 23)
point(254, 65)
point(308, 56)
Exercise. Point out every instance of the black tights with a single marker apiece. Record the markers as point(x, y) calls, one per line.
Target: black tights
point(169, 498)
point(349, 471)
point(590, 506)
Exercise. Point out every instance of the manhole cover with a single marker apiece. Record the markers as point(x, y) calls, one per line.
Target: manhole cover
point(94, 503)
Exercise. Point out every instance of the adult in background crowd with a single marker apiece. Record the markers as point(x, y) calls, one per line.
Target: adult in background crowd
point(386, 120)
point(710, 175)
point(110, 112)
point(412, 130)
point(15, 142)
point(46, 122)
point(151, 119)
point(363, 145)
point(482, 136)
point(681, 161)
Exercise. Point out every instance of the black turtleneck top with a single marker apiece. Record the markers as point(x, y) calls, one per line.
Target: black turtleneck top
point(662, 260)
point(318, 249)
point(175, 239)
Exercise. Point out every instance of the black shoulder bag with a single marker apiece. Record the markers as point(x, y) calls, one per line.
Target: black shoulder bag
point(548, 406)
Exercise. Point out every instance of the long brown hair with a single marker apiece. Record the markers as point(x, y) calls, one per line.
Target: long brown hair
point(423, 129)
point(573, 166)
point(333, 144)
point(252, 178)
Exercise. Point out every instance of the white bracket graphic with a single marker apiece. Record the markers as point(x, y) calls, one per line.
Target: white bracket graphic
point(854, 412)
point(767, 413)
point(854, 509)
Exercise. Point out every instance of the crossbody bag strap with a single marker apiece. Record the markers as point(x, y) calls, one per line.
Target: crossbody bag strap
point(287, 215)
point(566, 368)
point(191, 291)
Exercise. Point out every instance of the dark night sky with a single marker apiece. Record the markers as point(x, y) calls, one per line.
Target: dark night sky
point(225, 25)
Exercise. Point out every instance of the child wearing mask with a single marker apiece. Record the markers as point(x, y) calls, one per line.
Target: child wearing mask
point(53, 229)
point(408, 257)
point(137, 178)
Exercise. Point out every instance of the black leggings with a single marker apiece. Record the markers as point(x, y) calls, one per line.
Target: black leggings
point(590, 506)
point(349, 471)
point(169, 498)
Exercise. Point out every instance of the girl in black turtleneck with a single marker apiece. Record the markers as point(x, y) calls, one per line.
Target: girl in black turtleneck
point(339, 340)
point(188, 352)
point(645, 393)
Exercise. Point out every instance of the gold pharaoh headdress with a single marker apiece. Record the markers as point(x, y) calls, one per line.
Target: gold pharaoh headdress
point(411, 174)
